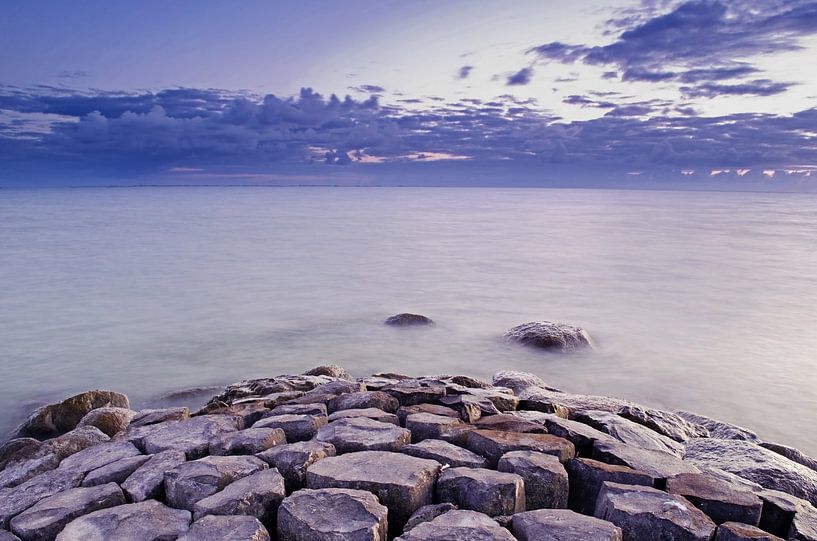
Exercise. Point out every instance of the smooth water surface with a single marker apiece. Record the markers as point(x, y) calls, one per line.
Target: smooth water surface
point(698, 301)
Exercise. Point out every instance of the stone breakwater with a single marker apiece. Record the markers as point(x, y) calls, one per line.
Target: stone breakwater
point(324, 457)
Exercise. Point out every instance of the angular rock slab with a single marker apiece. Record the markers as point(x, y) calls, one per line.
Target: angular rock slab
point(736, 531)
point(648, 514)
point(655, 463)
point(44, 520)
point(20, 472)
point(154, 416)
point(143, 521)
point(412, 392)
point(368, 413)
point(226, 528)
point(627, 431)
point(435, 409)
point(587, 475)
point(55, 419)
point(362, 400)
point(458, 526)
point(192, 435)
point(429, 426)
point(147, 481)
point(510, 423)
point(292, 460)
point(318, 410)
point(427, 513)
point(579, 434)
point(486, 491)
point(247, 442)
point(97, 456)
point(190, 482)
point(546, 481)
point(297, 427)
point(492, 444)
point(359, 434)
point(403, 483)
point(562, 525)
point(721, 501)
point(8, 536)
point(331, 514)
point(115, 472)
point(445, 453)
point(14, 501)
point(256, 495)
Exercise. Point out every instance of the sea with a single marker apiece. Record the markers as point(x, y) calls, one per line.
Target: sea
point(701, 301)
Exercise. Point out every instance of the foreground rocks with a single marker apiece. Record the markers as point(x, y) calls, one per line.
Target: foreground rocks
point(322, 456)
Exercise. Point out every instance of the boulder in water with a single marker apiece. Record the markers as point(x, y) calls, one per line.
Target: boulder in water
point(549, 335)
point(408, 320)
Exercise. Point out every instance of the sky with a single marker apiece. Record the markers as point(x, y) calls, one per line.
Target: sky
point(699, 94)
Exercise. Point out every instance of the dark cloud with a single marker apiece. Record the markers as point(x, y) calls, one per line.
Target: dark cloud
point(521, 77)
point(368, 89)
point(464, 72)
point(758, 87)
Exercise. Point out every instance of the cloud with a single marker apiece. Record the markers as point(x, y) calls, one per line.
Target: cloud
point(464, 72)
point(368, 89)
point(758, 87)
point(521, 77)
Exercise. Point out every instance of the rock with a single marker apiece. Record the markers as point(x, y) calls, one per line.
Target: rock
point(429, 426)
point(795, 455)
point(73, 442)
point(403, 483)
point(335, 388)
point(8, 536)
point(721, 501)
point(292, 460)
point(469, 408)
point(544, 406)
point(115, 472)
point(627, 431)
point(100, 455)
point(647, 514)
point(655, 463)
point(735, 531)
point(586, 477)
point(332, 514)
point(14, 501)
point(318, 410)
point(753, 462)
point(296, 427)
point(779, 510)
point(492, 444)
point(365, 399)
point(804, 524)
point(44, 520)
point(264, 387)
point(519, 381)
point(248, 412)
point(718, 429)
point(109, 420)
point(375, 383)
point(502, 399)
point(549, 335)
point(445, 453)
point(331, 370)
point(510, 423)
point(428, 513)
point(408, 320)
point(458, 526)
point(668, 424)
point(143, 521)
point(192, 436)
point(17, 449)
point(257, 495)
point(562, 525)
point(190, 482)
point(20, 472)
point(412, 392)
point(153, 416)
point(546, 481)
point(404, 411)
point(359, 434)
point(55, 419)
point(579, 434)
point(247, 442)
point(225, 528)
point(368, 413)
point(147, 481)
point(490, 492)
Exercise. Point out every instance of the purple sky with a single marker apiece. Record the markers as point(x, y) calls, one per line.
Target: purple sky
point(711, 94)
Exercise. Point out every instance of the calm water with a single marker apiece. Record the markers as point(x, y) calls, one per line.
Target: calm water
point(702, 301)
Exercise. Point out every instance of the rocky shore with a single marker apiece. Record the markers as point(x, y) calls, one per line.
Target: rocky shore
point(324, 456)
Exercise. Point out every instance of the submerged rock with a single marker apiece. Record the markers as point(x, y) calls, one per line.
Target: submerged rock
point(408, 320)
point(331, 514)
point(549, 335)
point(55, 419)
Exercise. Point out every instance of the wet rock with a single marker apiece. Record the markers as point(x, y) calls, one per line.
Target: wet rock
point(735, 531)
point(658, 464)
point(18, 449)
point(73, 442)
point(718, 429)
point(20, 472)
point(549, 335)
point(147, 481)
point(192, 436)
point(190, 482)
point(318, 410)
point(14, 501)
point(562, 525)
point(143, 521)
point(408, 320)
point(458, 526)
point(510, 423)
point(100, 455)
point(445, 453)
point(546, 481)
point(296, 427)
point(666, 423)
point(153, 416)
point(753, 462)
point(55, 419)
point(368, 413)
point(627, 431)
point(413, 392)
point(519, 381)
point(435, 409)
point(403, 483)
point(647, 514)
point(331, 370)
point(579, 434)
point(428, 513)
point(362, 400)
point(587, 476)
point(247, 442)
point(226, 528)
point(795, 455)
point(429, 426)
point(486, 491)
point(292, 460)
point(359, 434)
point(115, 472)
point(44, 520)
point(257, 495)
point(492, 444)
point(109, 420)
point(331, 514)
point(721, 501)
